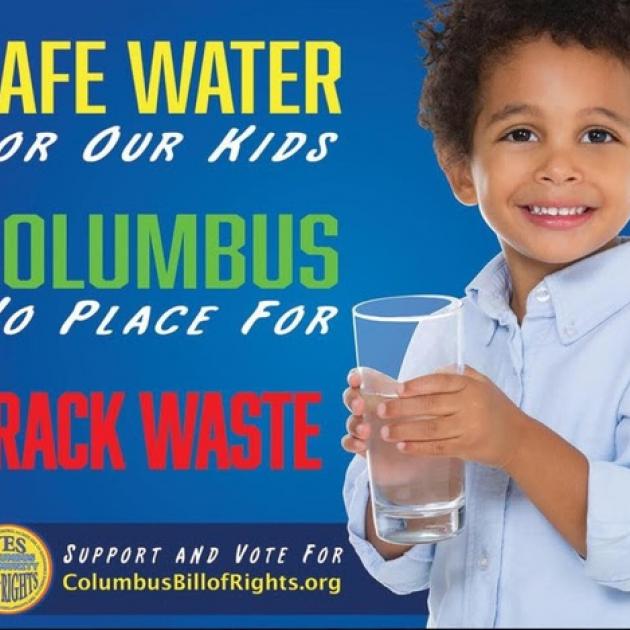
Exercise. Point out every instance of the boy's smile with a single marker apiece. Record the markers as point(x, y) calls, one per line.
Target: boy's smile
point(550, 164)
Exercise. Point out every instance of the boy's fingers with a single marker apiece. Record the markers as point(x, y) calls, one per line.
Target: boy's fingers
point(439, 382)
point(472, 373)
point(374, 381)
point(426, 405)
point(352, 445)
point(357, 427)
point(422, 430)
point(354, 378)
point(437, 448)
point(353, 401)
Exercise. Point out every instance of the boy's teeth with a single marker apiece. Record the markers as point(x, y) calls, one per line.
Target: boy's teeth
point(557, 211)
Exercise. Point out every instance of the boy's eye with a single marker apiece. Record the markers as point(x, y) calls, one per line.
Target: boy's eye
point(521, 135)
point(598, 136)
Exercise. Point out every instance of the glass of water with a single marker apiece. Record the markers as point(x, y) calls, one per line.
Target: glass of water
point(415, 499)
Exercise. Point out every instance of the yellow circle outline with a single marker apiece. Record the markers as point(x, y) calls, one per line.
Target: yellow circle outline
point(39, 541)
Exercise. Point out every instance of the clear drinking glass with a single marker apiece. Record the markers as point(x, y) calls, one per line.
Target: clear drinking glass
point(415, 499)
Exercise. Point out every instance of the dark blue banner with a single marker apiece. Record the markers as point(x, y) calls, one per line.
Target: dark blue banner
point(203, 569)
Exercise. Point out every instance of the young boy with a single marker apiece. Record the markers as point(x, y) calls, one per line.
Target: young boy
point(529, 104)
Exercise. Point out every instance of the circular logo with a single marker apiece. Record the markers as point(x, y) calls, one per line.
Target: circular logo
point(25, 569)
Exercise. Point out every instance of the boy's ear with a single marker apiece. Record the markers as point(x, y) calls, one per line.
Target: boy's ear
point(457, 171)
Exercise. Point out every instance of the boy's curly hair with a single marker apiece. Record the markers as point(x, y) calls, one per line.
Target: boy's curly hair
point(463, 37)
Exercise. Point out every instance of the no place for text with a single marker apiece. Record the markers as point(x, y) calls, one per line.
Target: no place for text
point(101, 320)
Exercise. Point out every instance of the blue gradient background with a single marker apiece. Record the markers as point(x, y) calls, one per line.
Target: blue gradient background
point(400, 232)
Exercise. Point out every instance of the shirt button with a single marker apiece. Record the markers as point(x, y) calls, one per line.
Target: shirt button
point(542, 294)
point(570, 330)
point(483, 562)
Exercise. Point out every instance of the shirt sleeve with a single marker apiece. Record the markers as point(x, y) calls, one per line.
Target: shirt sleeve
point(608, 514)
point(403, 575)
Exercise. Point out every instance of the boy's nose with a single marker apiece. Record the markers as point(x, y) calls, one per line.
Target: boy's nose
point(558, 168)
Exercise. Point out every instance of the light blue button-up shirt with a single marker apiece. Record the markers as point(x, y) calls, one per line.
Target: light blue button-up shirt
point(568, 366)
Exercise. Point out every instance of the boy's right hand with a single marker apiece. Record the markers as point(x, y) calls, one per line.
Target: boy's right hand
point(355, 441)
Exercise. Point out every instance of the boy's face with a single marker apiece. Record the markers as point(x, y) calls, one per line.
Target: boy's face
point(550, 165)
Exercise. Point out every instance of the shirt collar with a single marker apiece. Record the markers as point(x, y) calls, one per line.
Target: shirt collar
point(490, 291)
point(580, 296)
